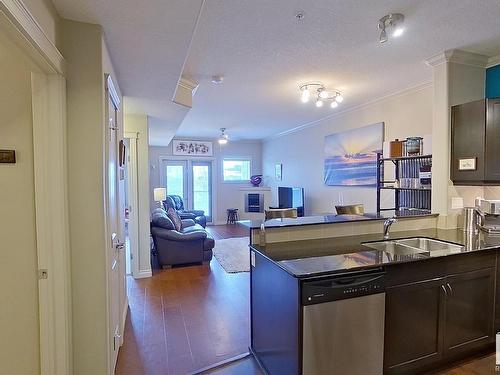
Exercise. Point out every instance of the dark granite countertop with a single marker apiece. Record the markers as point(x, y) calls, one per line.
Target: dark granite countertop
point(334, 219)
point(336, 255)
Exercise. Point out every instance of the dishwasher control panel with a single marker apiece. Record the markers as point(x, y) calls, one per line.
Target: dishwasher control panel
point(342, 287)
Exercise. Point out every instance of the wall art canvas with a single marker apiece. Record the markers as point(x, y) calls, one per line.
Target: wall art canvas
point(192, 148)
point(351, 156)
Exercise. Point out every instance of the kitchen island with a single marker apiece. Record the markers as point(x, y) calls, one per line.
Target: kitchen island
point(406, 309)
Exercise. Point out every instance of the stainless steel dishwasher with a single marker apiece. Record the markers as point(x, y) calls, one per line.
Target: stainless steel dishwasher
point(343, 324)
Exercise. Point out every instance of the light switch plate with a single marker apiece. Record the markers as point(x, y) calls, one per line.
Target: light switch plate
point(457, 203)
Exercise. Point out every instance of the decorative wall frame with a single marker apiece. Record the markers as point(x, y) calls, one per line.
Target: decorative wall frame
point(192, 148)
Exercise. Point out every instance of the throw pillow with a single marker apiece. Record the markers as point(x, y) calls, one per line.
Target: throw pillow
point(174, 216)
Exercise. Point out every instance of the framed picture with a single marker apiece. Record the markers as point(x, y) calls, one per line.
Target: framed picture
point(192, 148)
point(278, 170)
point(351, 156)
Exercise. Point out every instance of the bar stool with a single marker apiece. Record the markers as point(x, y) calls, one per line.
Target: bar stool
point(232, 216)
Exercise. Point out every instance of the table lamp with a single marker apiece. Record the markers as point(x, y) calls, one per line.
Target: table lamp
point(160, 194)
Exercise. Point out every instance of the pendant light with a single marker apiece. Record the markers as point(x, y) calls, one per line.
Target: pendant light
point(224, 138)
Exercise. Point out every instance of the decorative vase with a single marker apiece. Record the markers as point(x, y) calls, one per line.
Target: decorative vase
point(256, 180)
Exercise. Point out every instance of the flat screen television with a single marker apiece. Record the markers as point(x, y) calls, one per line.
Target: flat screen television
point(291, 197)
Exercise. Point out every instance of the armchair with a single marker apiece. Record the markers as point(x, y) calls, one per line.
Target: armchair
point(191, 244)
point(176, 202)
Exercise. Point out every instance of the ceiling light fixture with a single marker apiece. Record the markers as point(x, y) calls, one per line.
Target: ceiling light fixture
point(217, 79)
point(322, 95)
point(392, 22)
point(224, 138)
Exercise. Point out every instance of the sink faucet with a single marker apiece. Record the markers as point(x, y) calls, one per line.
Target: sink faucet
point(387, 226)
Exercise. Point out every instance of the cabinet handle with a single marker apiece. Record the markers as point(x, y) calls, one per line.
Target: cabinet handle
point(449, 287)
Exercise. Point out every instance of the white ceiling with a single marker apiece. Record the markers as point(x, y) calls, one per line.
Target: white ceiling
point(264, 53)
point(148, 43)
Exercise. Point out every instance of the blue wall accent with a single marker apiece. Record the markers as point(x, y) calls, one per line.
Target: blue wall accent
point(493, 82)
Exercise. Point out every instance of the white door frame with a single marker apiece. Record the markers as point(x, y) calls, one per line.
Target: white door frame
point(51, 198)
point(133, 199)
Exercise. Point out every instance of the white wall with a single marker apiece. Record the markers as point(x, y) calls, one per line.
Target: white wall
point(19, 324)
point(83, 49)
point(302, 154)
point(46, 15)
point(138, 124)
point(227, 195)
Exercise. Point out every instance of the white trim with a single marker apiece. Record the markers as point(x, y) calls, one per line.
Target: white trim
point(493, 61)
point(144, 274)
point(416, 88)
point(133, 202)
point(25, 23)
point(115, 98)
point(459, 57)
point(124, 319)
point(52, 223)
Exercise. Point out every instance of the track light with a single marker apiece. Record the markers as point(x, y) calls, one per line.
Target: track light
point(392, 22)
point(321, 94)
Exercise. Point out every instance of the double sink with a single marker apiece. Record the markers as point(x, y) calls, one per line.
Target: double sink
point(415, 247)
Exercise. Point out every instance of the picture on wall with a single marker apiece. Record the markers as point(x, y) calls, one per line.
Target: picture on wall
point(278, 171)
point(351, 156)
point(192, 148)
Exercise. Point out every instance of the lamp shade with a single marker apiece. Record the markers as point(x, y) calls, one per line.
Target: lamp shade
point(160, 194)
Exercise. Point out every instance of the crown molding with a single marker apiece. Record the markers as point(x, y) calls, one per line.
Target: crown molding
point(22, 19)
point(458, 56)
point(493, 61)
point(412, 89)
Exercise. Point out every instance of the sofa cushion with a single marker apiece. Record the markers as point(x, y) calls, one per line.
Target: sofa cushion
point(161, 219)
point(209, 242)
point(174, 216)
point(192, 228)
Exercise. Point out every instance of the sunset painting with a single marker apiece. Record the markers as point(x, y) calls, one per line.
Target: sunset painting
point(351, 156)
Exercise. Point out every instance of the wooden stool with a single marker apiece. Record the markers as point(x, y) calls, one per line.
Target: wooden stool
point(232, 216)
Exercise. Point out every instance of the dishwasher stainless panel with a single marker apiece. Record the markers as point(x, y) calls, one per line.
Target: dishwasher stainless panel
point(344, 337)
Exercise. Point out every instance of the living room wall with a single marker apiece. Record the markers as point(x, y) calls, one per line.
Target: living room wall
point(226, 195)
point(405, 114)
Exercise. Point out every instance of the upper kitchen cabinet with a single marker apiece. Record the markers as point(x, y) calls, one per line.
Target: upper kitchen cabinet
point(475, 143)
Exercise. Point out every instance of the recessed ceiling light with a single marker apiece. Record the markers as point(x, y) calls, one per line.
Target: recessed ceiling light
point(217, 79)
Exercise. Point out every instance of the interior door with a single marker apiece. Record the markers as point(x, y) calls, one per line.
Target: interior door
point(201, 190)
point(115, 227)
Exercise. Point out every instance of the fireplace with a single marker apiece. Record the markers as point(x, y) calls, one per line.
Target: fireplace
point(254, 202)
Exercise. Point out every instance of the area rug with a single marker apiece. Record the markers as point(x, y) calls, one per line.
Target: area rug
point(233, 254)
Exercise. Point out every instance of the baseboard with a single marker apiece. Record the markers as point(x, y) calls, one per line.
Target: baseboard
point(143, 274)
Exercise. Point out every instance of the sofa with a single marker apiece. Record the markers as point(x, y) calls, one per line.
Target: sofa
point(191, 244)
point(176, 202)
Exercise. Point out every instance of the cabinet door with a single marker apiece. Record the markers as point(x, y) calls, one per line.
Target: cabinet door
point(492, 166)
point(469, 310)
point(467, 140)
point(414, 329)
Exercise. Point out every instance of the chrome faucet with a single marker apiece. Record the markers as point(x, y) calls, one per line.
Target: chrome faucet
point(387, 226)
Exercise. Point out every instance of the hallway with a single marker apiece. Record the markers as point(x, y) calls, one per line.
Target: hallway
point(185, 318)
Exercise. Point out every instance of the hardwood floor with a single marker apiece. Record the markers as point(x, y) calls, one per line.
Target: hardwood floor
point(186, 318)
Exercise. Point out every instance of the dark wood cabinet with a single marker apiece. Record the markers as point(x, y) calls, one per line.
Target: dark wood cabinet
point(475, 134)
point(470, 301)
point(413, 325)
point(431, 321)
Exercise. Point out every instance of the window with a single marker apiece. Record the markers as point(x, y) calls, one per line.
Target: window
point(236, 170)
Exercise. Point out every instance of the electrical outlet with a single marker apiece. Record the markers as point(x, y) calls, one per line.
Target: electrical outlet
point(457, 203)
